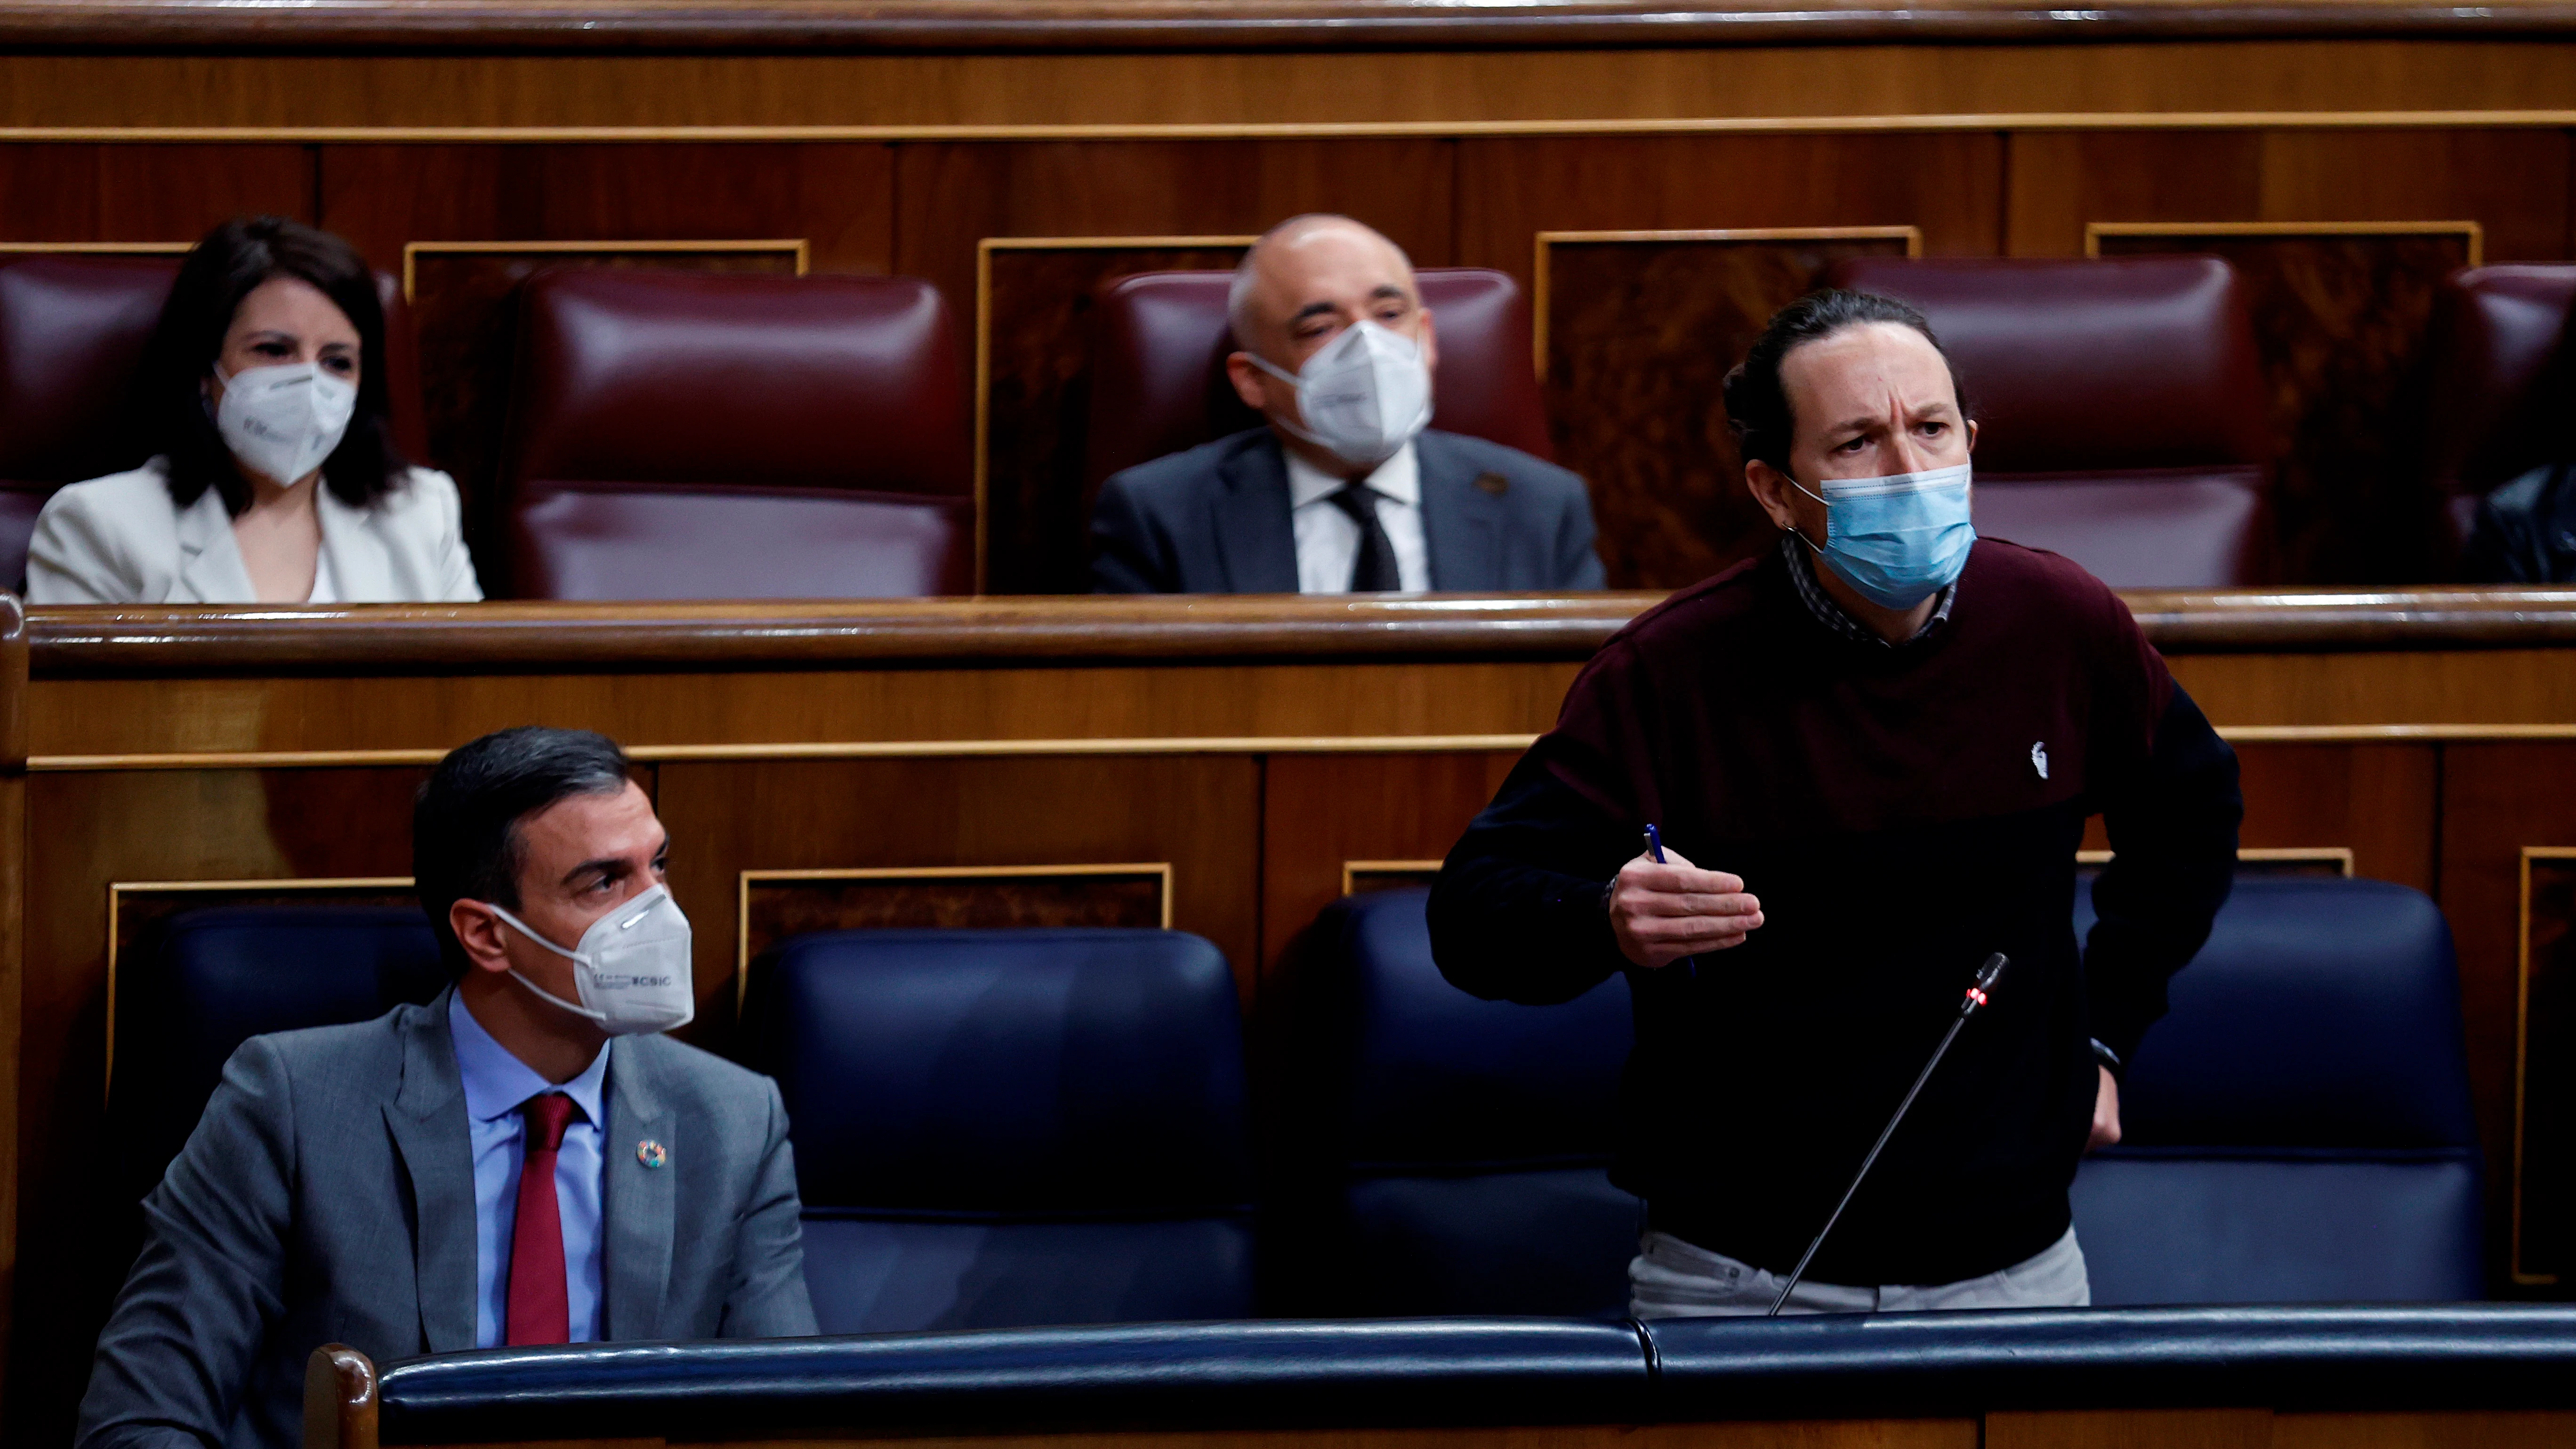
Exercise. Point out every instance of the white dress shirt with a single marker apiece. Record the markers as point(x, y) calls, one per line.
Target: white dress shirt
point(1328, 540)
point(497, 1084)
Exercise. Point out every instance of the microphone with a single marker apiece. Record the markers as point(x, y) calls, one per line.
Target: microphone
point(1987, 975)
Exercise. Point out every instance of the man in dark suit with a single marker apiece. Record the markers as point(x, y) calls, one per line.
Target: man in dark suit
point(1345, 489)
point(364, 1184)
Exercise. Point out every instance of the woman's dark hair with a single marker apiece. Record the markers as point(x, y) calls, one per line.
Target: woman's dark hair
point(1757, 408)
point(465, 843)
point(234, 259)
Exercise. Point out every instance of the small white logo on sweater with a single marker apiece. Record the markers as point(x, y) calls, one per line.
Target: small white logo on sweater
point(2039, 758)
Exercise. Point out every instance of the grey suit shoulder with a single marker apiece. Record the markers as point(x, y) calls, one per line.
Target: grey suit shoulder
point(327, 1195)
point(1215, 519)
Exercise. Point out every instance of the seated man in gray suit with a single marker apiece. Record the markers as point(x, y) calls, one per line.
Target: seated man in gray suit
point(364, 1185)
point(1345, 489)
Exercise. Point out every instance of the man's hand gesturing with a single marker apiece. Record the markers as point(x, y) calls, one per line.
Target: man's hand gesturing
point(1662, 913)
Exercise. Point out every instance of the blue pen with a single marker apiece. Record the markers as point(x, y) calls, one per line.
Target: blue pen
point(1655, 853)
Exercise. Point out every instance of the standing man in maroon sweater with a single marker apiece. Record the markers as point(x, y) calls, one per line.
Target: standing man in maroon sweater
point(1871, 753)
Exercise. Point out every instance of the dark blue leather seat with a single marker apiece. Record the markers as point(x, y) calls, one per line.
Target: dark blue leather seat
point(1468, 1141)
point(219, 977)
point(2298, 1129)
point(1011, 1128)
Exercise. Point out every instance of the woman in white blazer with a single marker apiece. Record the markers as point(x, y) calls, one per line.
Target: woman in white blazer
point(276, 479)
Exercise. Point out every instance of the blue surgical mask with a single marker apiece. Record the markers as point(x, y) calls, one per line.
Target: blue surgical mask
point(1900, 539)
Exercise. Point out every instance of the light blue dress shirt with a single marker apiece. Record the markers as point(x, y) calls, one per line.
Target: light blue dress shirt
point(496, 1084)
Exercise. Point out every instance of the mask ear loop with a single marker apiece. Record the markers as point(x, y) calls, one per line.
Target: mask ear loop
point(542, 993)
point(1812, 546)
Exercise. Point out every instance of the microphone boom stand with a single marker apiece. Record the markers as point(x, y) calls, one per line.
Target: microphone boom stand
point(1985, 982)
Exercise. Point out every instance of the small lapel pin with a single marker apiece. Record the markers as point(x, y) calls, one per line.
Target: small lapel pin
point(650, 1153)
point(2039, 758)
point(1494, 483)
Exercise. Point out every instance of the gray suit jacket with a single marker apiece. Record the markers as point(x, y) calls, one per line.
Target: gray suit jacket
point(327, 1196)
point(1214, 520)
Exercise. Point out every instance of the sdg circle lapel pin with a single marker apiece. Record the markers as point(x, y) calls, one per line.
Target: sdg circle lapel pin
point(651, 1153)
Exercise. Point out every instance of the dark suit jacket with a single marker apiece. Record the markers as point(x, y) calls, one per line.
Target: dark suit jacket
point(1214, 520)
point(327, 1196)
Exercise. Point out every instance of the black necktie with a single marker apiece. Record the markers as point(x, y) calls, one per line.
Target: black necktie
point(1374, 571)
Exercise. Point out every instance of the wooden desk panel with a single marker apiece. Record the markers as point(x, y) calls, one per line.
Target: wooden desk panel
point(1249, 751)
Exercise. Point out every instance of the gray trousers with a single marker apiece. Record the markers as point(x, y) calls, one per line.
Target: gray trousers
point(1670, 1278)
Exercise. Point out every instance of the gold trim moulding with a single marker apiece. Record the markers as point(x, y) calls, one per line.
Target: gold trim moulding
point(117, 890)
point(1353, 868)
point(1159, 869)
point(2525, 119)
point(796, 247)
point(2096, 231)
point(1168, 745)
point(2339, 856)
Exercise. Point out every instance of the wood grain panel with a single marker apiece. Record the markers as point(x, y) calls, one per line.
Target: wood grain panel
point(2131, 1429)
point(801, 87)
point(2341, 322)
point(2513, 183)
point(2379, 801)
point(838, 196)
point(146, 193)
point(1199, 813)
point(2497, 800)
point(225, 825)
point(1950, 186)
point(778, 905)
point(1322, 811)
point(464, 311)
point(1033, 325)
point(2059, 180)
point(2467, 1430)
point(1639, 335)
point(2544, 1162)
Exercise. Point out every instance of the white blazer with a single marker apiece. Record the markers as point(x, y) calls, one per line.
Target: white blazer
point(120, 540)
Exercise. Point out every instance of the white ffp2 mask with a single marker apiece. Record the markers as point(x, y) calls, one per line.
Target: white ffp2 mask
point(283, 421)
point(1363, 395)
point(631, 966)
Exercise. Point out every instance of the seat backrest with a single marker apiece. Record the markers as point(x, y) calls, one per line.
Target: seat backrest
point(2139, 372)
point(209, 980)
point(2298, 1128)
point(2502, 370)
point(999, 1128)
point(680, 435)
point(72, 334)
point(1466, 1142)
point(1160, 341)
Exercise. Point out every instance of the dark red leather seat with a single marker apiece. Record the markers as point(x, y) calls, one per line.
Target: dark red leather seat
point(682, 435)
point(2123, 420)
point(2500, 376)
point(72, 333)
point(1158, 381)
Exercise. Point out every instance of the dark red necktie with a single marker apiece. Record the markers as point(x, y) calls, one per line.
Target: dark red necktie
point(540, 1312)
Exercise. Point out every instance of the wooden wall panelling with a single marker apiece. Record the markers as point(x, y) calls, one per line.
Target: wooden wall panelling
point(774, 905)
point(2468, 1430)
point(2498, 801)
point(1033, 300)
point(2544, 1128)
point(1636, 331)
point(1321, 812)
point(223, 825)
point(2341, 311)
point(147, 193)
point(2057, 181)
point(953, 196)
point(1669, 507)
point(13, 941)
point(1197, 812)
point(2377, 800)
point(795, 85)
point(2130, 1429)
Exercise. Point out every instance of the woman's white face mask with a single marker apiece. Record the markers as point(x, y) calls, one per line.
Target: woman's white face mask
point(632, 967)
point(282, 421)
